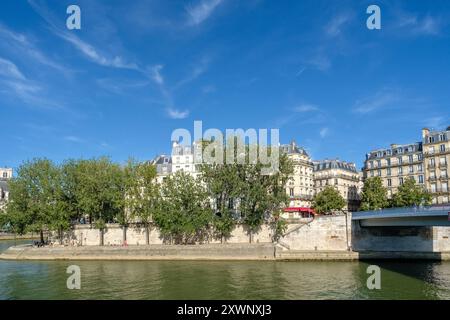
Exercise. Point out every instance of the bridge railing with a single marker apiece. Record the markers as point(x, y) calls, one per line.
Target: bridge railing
point(404, 211)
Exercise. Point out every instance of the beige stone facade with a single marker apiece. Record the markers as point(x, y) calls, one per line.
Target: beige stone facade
point(396, 164)
point(300, 187)
point(5, 175)
point(426, 161)
point(341, 175)
point(436, 150)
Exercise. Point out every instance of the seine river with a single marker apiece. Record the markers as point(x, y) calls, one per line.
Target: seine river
point(222, 280)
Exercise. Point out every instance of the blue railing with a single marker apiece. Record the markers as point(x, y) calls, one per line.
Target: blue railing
point(403, 212)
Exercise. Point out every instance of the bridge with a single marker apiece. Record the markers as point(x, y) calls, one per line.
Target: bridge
point(420, 216)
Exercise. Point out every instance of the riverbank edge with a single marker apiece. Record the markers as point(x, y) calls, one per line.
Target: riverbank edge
point(214, 252)
point(19, 237)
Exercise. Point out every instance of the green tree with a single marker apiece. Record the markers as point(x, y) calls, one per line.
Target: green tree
point(185, 212)
point(222, 184)
point(99, 191)
point(262, 195)
point(410, 194)
point(142, 193)
point(36, 202)
point(374, 195)
point(328, 200)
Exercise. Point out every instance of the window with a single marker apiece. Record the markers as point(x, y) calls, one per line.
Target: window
point(419, 167)
point(371, 164)
point(291, 192)
point(442, 148)
point(400, 150)
point(444, 187)
point(388, 171)
point(419, 157)
point(421, 179)
point(388, 152)
point(400, 160)
point(431, 162)
point(444, 173)
point(335, 181)
point(400, 181)
point(442, 161)
point(371, 173)
point(388, 161)
point(5, 174)
point(433, 187)
point(389, 182)
point(379, 163)
point(400, 170)
point(410, 158)
point(411, 169)
point(431, 150)
point(432, 174)
point(379, 172)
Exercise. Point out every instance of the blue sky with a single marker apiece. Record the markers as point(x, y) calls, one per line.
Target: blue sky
point(137, 70)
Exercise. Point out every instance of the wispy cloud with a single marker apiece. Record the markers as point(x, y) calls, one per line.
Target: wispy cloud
point(323, 132)
point(15, 84)
point(172, 112)
point(198, 69)
point(74, 139)
point(201, 11)
point(87, 49)
point(337, 23)
point(10, 70)
point(155, 73)
point(177, 114)
point(380, 100)
point(413, 24)
point(306, 108)
point(19, 43)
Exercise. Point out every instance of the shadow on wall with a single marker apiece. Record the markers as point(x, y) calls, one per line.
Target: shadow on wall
point(392, 239)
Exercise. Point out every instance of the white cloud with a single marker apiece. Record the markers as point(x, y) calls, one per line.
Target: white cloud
point(10, 70)
point(156, 74)
point(73, 139)
point(379, 100)
point(306, 108)
point(93, 54)
point(334, 27)
point(413, 24)
point(323, 132)
point(19, 43)
point(177, 114)
point(201, 11)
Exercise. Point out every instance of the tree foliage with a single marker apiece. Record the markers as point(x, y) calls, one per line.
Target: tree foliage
point(374, 195)
point(328, 200)
point(410, 194)
point(184, 215)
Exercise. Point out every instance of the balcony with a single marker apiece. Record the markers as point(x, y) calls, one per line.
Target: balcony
point(301, 197)
point(440, 190)
point(434, 178)
point(443, 165)
point(431, 166)
point(443, 177)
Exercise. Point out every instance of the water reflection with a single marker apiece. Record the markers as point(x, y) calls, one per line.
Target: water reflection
point(222, 280)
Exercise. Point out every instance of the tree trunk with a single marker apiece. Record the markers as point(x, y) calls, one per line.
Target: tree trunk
point(42, 236)
point(124, 240)
point(147, 235)
point(250, 236)
point(61, 236)
point(101, 237)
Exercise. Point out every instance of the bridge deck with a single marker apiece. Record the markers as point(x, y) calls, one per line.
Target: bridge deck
point(410, 216)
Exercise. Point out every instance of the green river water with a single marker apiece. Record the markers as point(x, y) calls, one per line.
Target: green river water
point(234, 280)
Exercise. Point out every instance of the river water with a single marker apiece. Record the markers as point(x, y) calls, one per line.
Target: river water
point(222, 280)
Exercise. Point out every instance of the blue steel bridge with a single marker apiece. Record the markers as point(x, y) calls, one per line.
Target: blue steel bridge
point(420, 216)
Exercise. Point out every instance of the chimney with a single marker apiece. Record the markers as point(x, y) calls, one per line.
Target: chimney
point(425, 132)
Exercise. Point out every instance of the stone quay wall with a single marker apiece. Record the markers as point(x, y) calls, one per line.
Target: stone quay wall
point(86, 235)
